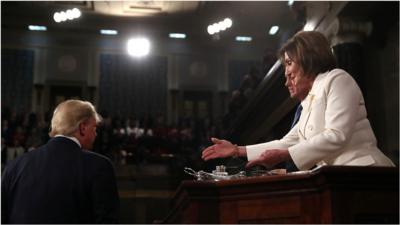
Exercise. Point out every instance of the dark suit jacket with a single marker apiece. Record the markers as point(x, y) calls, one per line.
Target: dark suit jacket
point(59, 183)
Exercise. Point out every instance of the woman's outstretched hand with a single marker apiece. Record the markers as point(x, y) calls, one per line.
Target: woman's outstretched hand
point(220, 149)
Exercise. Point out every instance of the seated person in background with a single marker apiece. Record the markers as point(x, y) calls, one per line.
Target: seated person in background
point(61, 181)
point(15, 150)
point(333, 128)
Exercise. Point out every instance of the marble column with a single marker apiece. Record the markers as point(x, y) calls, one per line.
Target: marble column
point(347, 42)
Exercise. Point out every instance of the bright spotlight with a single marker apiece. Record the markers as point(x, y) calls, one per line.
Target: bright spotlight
point(138, 47)
point(308, 27)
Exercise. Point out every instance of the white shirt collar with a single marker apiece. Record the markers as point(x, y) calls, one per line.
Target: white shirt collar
point(74, 139)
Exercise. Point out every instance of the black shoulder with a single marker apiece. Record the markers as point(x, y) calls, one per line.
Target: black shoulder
point(21, 160)
point(93, 157)
point(16, 166)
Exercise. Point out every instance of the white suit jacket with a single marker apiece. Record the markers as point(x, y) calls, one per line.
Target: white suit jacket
point(333, 128)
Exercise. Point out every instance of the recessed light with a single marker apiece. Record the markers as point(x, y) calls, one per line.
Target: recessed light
point(177, 35)
point(108, 32)
point(243, 38)
point(37, 28)
point(273, 30)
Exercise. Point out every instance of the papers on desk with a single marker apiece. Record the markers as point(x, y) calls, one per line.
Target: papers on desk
point(307, 171)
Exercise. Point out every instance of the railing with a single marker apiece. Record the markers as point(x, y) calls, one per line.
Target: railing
point(267, 108)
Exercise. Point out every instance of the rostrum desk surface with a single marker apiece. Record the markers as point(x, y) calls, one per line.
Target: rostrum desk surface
point(331, 194)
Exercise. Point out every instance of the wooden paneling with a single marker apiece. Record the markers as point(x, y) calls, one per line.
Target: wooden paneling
point(332, 194)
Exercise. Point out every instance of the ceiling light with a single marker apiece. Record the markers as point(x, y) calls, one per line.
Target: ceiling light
point(216, 27)
point(63, 16)
point(273, 30)
point(177, 35)
point(290, 2)
point(210, 29)
point(220, 26)
point(70, 14)
point(109, 32)
point(57, 17)
point(227, 22)
point(37, 28)
point(76, 13)
point(243, 38)
point(138, 47)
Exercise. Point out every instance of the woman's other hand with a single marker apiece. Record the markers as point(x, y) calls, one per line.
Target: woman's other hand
point(270, 158)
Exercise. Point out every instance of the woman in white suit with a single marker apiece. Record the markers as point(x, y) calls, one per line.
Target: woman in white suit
point(333, 128)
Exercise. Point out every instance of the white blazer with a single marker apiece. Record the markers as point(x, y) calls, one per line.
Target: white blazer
point(333, 128)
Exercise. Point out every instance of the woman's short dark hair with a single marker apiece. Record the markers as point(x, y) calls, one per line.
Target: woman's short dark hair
point(311, 50)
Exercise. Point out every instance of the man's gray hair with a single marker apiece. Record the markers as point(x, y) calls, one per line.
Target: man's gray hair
point(69, 114)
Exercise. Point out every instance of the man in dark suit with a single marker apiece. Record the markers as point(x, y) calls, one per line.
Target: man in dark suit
point(61, 181)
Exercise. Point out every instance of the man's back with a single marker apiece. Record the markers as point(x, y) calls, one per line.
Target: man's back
point(59, 183)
